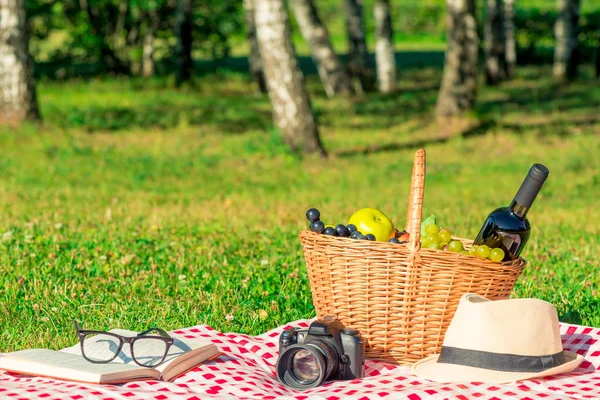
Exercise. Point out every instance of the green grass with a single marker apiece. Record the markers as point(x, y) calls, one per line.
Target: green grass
point(139, 204)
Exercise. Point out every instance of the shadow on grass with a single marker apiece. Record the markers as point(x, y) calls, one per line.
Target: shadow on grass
point(446, 130)
point(230, 120)
point(558, 127)
point(542, 98)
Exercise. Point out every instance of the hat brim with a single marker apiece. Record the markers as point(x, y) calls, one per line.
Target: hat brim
point(429, 368)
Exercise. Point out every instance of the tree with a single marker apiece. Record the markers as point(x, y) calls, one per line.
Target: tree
point(459, 81)
point(152, 21)
point(254, 60)
point(292, 111)
point(18, 100)
point(384, 47)
point(359, 64)
point(495, 50)
point(183, 46)
point(509, 37)
point(331, 71)
point(566, 31)
point(108, 31)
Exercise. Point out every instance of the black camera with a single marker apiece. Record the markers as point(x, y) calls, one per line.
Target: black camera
point(324, 351)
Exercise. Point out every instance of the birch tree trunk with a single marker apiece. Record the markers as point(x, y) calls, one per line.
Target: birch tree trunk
point(148, 44)
point(333, 75)
point(566, 50)
point(148, 54)
point(459, 82)
point(384, 47)
point(495, 52)
point(18, 100)
point(358, 55)
point(510, 39)
point(183, 47)
point(292, 111)
point(254, 60)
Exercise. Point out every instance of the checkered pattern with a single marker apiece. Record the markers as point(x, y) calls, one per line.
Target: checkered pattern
point(246, 370)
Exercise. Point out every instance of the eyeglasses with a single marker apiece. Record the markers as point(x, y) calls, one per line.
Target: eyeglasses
point(147, 348)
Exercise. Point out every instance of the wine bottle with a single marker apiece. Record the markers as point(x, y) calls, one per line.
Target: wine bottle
point(508, 227)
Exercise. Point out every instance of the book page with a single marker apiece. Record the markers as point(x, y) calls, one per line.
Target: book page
point(61, 365)
point(187, 362)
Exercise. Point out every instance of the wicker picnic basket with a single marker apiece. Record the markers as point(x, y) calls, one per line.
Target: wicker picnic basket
point(400, 297)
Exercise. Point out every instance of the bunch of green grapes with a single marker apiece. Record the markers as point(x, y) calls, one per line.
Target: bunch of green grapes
point(441, 239)
point(483, 251)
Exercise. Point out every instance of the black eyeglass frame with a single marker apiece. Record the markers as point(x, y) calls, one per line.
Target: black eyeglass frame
point(164, 336)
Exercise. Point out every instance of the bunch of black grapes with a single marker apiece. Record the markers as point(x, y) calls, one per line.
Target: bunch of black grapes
point(341, 230)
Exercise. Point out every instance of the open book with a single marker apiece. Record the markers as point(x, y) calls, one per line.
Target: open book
point(68, 364)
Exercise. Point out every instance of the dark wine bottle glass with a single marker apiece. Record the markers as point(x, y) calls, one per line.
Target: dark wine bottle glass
point(508, 227)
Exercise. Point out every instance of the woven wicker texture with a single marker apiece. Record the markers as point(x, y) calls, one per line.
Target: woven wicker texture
point(400, 297)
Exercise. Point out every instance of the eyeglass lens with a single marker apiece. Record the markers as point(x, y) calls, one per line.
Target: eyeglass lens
point(99, 347)
point(148, 351)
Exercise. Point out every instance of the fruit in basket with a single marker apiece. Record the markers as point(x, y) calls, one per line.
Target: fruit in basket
point(427, 221)
point(483, 251)
point(434, 237)
point(456, 246)
point(342, 230)
point(473, 250)
point(330, 231)
point(425, 241)
point(351, 228)
point(445, 235)
point(497, 255)
point(370, 236)
point(355, 235)
point(394, 240)
point(313, 215)
point(433, 245)
point(372, 220)
point(431, 228)
point(402, 236)
point(317, 226)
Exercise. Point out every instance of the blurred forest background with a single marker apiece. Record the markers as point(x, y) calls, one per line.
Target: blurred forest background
point(156, 154)
point(61, 40)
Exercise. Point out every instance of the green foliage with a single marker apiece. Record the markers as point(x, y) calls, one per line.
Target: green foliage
point(111, 32)
point(215, 22)
point(192, 218)
point(107, 36)
point(535, 34)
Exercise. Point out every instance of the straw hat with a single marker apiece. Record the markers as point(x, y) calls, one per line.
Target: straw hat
point(498, 342)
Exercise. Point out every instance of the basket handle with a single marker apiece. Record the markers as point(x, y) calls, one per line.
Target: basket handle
point(415, 201)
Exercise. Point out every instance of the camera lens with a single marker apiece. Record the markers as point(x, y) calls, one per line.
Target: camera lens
point(307, 365)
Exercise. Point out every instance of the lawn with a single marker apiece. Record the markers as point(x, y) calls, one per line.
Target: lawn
point(138, 204)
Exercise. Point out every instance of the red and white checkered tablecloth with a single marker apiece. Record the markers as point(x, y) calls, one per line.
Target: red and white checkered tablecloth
point(246, 370)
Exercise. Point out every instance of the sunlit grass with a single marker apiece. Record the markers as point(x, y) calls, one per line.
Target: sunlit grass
point(182, 207)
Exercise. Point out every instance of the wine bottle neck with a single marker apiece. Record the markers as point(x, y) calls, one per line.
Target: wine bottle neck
point(518, 209)
point(530, 187)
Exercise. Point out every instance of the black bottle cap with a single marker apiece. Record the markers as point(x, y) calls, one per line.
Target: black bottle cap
point(539, 172)
point(532, 184)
